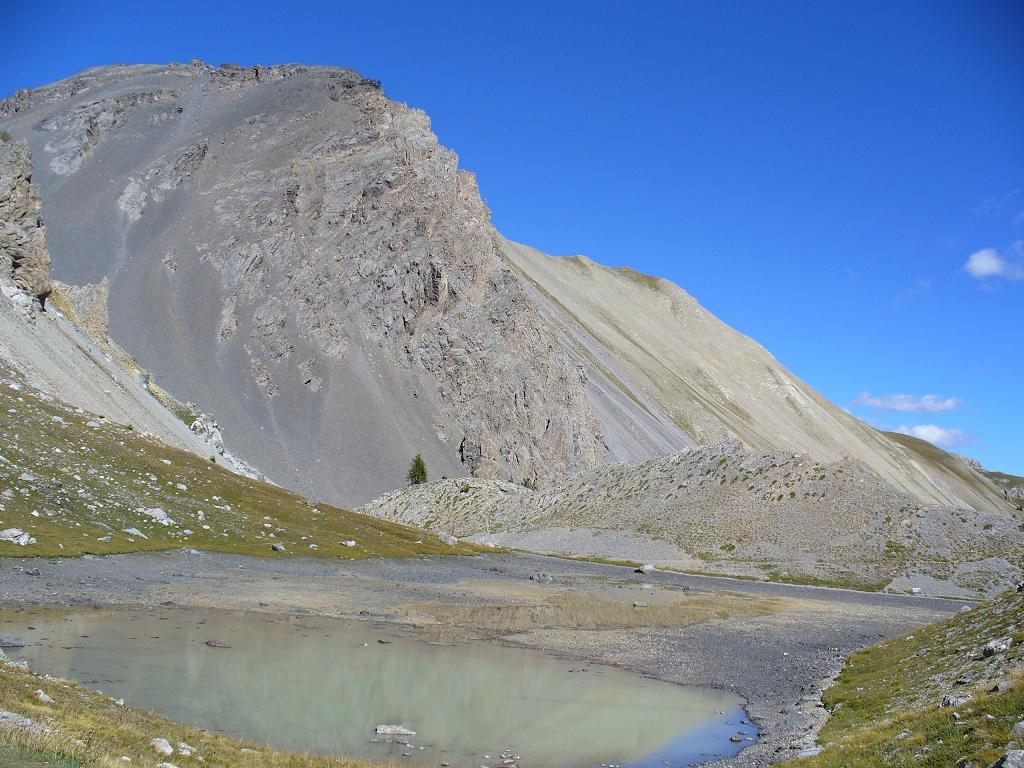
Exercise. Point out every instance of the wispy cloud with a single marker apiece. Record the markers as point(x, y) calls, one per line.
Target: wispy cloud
point(990, 263)
point(911, 403)
point(920, 287)
point(992, 208)
point(936, 435)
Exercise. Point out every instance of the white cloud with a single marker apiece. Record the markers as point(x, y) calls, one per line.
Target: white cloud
point(912, 403)
point(988, 262)
point(940, 436)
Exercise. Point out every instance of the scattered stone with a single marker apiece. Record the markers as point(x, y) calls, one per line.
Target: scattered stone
point(349, 543)
point(278, 547)
point(41, 695)
point(638, 604)
point(11, 641)
point(647, 568)
point(158, 515)
point(14, 721)
point(16, 536)
point(997, 646)
point(949, 700)
point(217, 644)
point(162, 746)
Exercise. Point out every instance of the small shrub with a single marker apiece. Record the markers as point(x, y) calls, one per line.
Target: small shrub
point(417, 471)
point(4, 137)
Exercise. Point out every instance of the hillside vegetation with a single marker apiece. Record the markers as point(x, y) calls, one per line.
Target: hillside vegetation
point(72, 483)
point(945, 695)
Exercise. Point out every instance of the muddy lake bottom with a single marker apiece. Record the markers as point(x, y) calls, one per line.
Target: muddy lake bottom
point(321, 685)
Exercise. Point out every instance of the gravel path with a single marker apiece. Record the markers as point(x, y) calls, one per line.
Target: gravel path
point(778, 662)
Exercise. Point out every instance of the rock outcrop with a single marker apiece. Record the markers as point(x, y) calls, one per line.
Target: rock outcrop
point(24, 260)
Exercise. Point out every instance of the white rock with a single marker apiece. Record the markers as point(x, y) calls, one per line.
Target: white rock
point(349, 543)
point(41, 695)
point(135, 532)
point(158, 515)
point(16, 536)
point(162, 746)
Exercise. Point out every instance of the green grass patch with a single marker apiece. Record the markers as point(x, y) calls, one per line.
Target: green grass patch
point(78, 485)
point(885, 703)
point(836, 582)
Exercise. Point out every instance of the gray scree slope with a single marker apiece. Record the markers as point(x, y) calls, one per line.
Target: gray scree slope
point(295, 253)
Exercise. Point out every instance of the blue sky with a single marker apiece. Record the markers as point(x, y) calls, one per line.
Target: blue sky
point(842, 181)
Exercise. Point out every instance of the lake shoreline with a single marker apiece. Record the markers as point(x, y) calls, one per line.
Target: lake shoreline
point(775, 647)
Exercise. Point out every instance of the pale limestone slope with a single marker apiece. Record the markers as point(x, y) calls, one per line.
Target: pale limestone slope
point(716, 383)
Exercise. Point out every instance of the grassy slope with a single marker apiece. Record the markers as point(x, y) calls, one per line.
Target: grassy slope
point(90, 729)
point(886, 701)
point(70, 485)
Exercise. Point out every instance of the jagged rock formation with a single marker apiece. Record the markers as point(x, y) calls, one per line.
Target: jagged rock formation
point(296, 253)
point(723, 507)
point(24, 260)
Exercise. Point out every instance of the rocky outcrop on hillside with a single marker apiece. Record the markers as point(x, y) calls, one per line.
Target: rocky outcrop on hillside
point(723, 507)
point(329, 277)
point(24, 260)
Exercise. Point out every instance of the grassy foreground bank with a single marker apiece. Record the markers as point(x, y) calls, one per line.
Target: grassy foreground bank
point(934, 697)
point(78, 484)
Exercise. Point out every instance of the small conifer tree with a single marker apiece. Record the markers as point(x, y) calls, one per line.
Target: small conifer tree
point(417, 471)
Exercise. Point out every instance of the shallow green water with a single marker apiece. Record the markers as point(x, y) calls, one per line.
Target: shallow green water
point(322, 685)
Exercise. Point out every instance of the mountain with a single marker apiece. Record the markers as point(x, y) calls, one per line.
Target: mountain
point(295, 253)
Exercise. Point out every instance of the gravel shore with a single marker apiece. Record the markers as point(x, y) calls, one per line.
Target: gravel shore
point(777, 661)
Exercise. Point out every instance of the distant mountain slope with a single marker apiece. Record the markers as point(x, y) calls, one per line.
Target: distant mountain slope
point(295, 253)
point(716, 383)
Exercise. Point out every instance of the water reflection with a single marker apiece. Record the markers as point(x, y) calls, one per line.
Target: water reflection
point(322, 685)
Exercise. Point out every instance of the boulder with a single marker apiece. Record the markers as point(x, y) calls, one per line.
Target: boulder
point(1014, 758)
point(162, 746)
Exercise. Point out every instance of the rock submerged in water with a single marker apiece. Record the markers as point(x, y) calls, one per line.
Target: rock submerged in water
point(11, 641)
point(393, 730)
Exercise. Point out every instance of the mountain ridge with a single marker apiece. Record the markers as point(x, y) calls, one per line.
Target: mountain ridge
point(295, 252)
